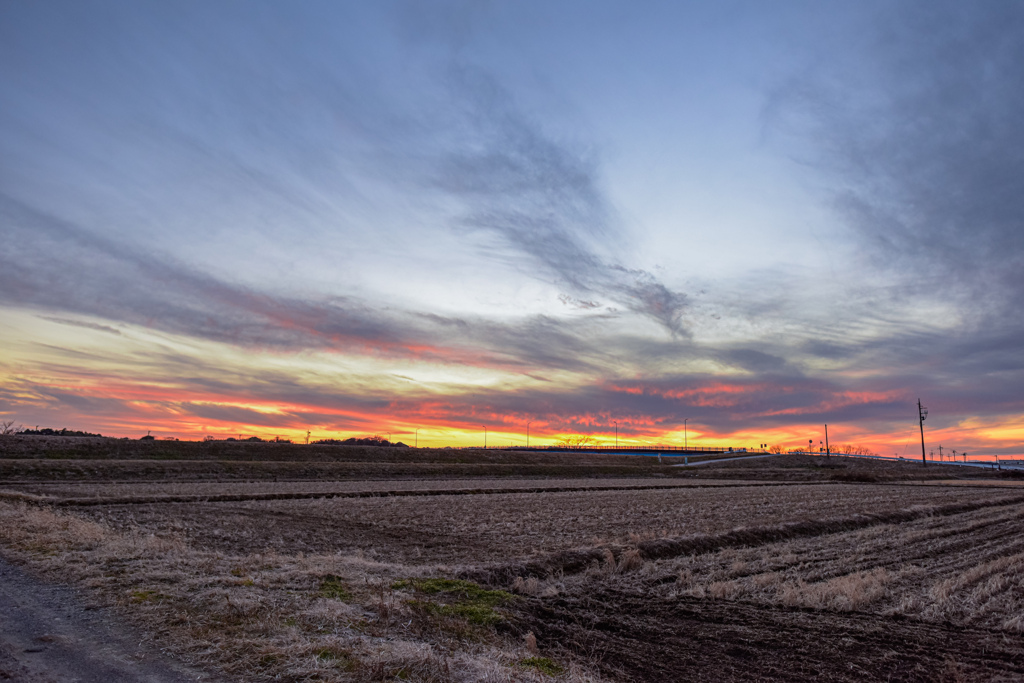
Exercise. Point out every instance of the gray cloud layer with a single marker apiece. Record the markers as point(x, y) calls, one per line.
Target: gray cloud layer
point(922, 137)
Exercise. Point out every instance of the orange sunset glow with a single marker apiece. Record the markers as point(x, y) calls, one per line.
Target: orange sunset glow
point(119, 388)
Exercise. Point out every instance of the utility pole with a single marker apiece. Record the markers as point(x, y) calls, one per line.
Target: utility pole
point(485, 436)
point(827, 454)
point(528, 433)
point(307, 437)
point(686, 438)
point(940, 453)
point(616, 435)
point(417, 438)
point(922, 413)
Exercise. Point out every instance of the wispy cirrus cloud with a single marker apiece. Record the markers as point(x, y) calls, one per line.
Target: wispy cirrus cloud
point(543, 198)
point(63, 268)
point(81, 323)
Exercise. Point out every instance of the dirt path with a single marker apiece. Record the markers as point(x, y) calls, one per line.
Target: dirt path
point(49, 635)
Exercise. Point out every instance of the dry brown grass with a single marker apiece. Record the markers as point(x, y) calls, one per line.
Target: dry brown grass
point(965, 569)
point(851, 592)
point(263, 616)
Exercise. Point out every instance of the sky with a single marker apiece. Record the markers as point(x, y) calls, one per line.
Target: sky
point(724, 223)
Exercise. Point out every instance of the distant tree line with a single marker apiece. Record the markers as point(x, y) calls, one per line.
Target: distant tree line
point(375, 440)
point(46, 431)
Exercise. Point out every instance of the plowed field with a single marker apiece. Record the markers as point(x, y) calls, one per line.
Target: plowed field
point(455, 566)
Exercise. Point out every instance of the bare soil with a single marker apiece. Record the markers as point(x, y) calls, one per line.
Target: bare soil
point(502, 527)
point(634, 637)
point(932, 598)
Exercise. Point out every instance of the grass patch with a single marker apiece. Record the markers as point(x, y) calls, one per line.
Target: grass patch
point(474, 614)
point(543, 664)
point(465, 599)
point(333, 587)
point(139, 596)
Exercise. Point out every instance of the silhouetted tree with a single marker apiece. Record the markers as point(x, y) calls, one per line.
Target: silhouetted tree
point(577, 442)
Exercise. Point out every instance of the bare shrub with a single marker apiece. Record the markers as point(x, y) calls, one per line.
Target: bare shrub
point(630, 561)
